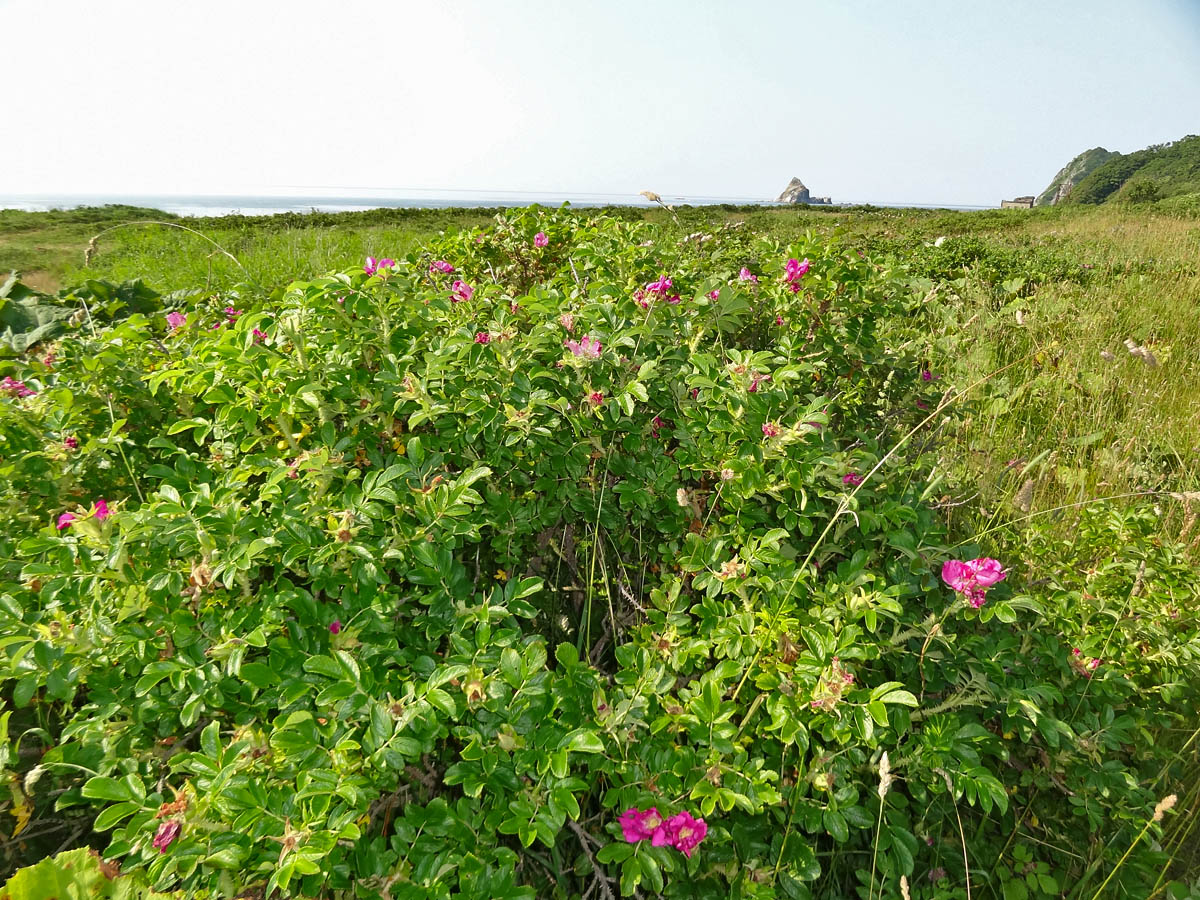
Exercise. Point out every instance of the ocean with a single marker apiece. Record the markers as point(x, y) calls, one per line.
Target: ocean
point(200, 205)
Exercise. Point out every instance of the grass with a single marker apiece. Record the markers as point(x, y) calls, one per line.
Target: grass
point(1054, 288)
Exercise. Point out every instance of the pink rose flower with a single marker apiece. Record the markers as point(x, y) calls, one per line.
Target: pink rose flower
point(987, 571)
point(637, 825)
point(440, 265)
point(483, 337)
point(683, 832)
point(65, 520)
point(596, 398)
point(176, 320)
point(588, 348)
point(71, 442)
point(973, 577)
point(102, 512)
point(335, 626)
point(770, 429)
point(746, 275)
point(460, 291)
point(956, 575)
point(540, 239)
point(166, 833)
point(373, 265)
point(852, 478)
point(713, 295)
point(660, 287)
point(15, 388)
point(795, 270)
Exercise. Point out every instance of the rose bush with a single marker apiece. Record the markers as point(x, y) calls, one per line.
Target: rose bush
point(413, 581)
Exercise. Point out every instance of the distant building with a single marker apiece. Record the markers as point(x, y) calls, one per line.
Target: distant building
point(796, 192)
point(1018, 203)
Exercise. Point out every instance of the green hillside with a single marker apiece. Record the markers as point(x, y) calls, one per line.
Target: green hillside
point(1158, 172)
point(1073, 173)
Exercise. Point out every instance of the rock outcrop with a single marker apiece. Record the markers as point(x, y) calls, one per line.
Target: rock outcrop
point(796, 192)
point(1073, 173)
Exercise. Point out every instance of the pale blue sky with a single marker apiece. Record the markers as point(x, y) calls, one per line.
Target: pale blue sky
point(936, 101)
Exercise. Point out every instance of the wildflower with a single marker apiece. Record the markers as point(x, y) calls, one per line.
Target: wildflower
point(695, 393)
point(655, 424)
point(483, 337)
point(588, 348)
point(374, 266)
point(779, 320)
point(793, 272)
point(937, 874)
point(461, 291)
point(921, 404)
point(756, 378)
point(71, 442)
point(770, 429)
point(926, 375)
point(596, 398)
point(727, 474)
point(176, 320)
point(166, 833)
point(973, 578)
point(65, 520)
point(440, 265)
point(829, 692)
point(335, 627)
point(713, 295)
point(987, 571)
point(660, 287)
point(683, 832)
point(637, 825)
point(731, 568)
point(681, 497)
point(745, 275)
point(852, 478)
point(102, 511)
point(567, 321)
point(513, 306)
point(232, 314)
point(49, 359)
point(259, 336)
point(15, 388)
point(540, 239)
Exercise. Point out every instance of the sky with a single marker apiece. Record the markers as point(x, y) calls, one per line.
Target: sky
point(936, 101)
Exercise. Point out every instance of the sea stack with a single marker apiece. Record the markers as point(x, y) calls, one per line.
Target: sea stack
point(796, 192)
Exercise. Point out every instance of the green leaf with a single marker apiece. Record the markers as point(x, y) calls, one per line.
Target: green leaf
point(111, 815)
point(583, 741)
point(835, 824)
point(103, 788)
point(903, 698)
point(878, 712)
point(510, 666)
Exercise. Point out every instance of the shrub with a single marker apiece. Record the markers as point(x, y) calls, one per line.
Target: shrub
point(413, 583)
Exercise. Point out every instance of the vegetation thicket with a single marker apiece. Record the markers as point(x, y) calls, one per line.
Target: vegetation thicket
point(686, 553)
point(1160, 171)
